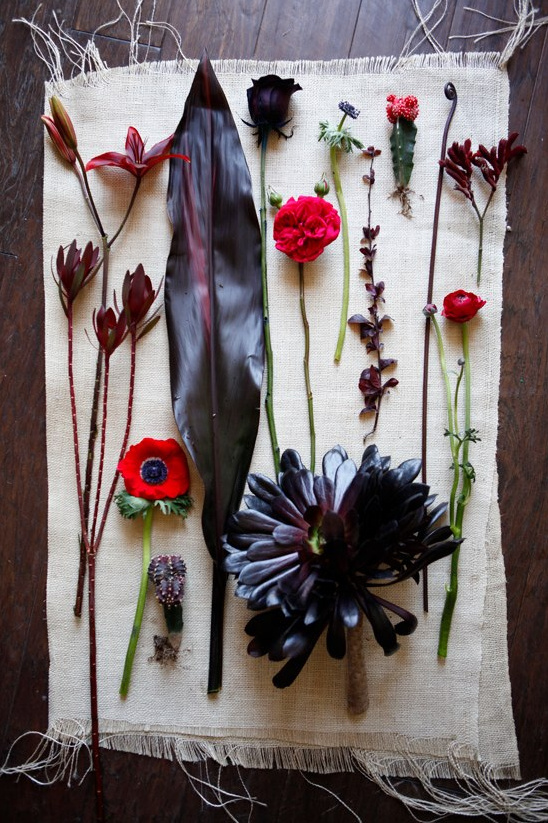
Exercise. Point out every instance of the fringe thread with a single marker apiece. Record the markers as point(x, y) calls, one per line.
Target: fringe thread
point(57, 757)
point(65, 58)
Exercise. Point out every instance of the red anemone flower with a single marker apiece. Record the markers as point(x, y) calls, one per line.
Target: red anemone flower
point(155, 469)
point(136, 160)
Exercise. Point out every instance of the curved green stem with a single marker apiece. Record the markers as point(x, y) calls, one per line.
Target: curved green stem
point(269, 403)
point(333, 154)
point(132, 646)
point(306, 359)
point(456, 525)
point(450, 417)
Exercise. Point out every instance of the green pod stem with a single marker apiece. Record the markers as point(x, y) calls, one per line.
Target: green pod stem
point(174, 618)
point(402, 146)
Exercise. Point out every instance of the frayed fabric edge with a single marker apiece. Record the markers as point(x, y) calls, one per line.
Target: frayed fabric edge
point(315, 68)
point(63, 754)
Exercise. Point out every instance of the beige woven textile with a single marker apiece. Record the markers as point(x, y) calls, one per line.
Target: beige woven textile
point(443, 716)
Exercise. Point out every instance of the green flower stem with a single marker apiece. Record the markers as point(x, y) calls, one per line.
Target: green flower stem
point(481, 218)
point(306, 358)
point(456, 525)
point(269, 403)
point(450, 418)
point(333, 154)
point(130, 654)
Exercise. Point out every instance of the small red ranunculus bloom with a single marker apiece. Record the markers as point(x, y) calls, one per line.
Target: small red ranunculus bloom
point(304, 227)
point(461, 306)
point(136, 160)
point(155, 469)
point(406, 107)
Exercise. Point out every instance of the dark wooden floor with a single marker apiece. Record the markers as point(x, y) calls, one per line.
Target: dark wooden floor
point(142, 789)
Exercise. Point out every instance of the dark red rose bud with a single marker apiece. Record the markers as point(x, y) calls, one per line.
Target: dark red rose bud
point(268, 101)
point(461, 306)
point(430, 309)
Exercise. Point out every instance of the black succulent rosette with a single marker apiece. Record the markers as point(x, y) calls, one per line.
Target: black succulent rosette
point(314, 552)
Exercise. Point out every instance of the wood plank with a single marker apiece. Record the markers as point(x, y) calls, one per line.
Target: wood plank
point(91, 15)
point(224, 28)
point(293, 30)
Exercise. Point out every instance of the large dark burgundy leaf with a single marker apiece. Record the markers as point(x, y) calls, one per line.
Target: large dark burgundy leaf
point(214, 314)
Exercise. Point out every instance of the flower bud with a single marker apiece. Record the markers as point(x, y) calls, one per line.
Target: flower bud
point(430, 309)
point(322, 186)
point(63, 123)
point(274, 199)
point(57, 140)
point(110, 329)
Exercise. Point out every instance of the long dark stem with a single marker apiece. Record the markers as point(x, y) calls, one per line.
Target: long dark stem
point(306, 364)
point(269, 402)
point(92, 437)
point(125, 441)
point(101, 451)
point(89, 200)
point(72, 392)
point(216, 630)
point(95, 753)
point(451, 94)
point(128, 212)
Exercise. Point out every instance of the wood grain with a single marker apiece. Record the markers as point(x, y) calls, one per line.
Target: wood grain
point(144, 789)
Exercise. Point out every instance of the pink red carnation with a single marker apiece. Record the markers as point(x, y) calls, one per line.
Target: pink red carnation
point(304, 227)
point(406, 107)
point(461, 306)
point(155, 469)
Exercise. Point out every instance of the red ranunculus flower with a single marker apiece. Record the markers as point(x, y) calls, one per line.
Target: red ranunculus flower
point(155, 469)
point(304, 227)
point(136, 160)
point(461, 306)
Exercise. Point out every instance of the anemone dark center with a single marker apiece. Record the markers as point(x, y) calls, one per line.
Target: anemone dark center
point(153, 471)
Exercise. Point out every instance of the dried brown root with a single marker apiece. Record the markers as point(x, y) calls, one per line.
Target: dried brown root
point(403, 195)
point(166, 649)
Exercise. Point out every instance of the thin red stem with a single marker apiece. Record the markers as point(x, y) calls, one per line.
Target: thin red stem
point(108, 501)
point(101, 452)
point(372, 278)
point(92, 437)
point(95, 753)
point(75, 423)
